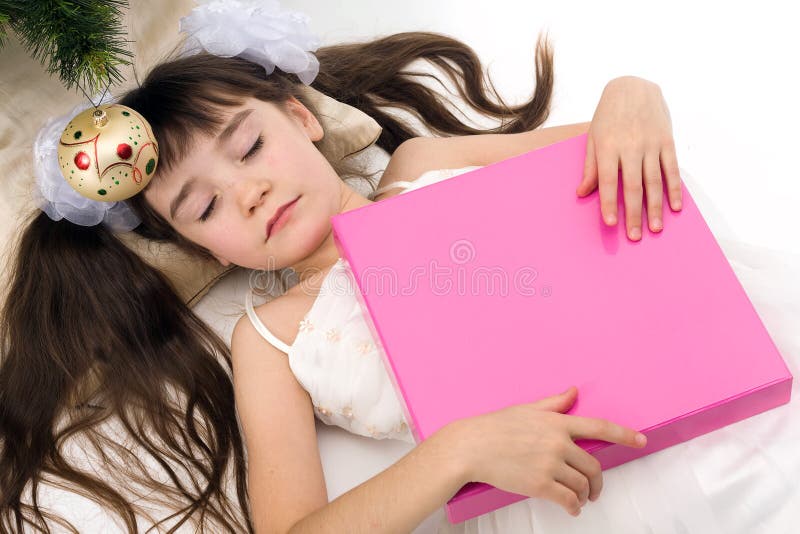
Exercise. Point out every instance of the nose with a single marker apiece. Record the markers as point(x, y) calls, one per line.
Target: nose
point(251, 196)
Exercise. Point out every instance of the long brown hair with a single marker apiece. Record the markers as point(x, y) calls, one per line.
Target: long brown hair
point(91, 334)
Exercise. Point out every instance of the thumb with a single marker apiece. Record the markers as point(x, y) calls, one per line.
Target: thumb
point(558, 403)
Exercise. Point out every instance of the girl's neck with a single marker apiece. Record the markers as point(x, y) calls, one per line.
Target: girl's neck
point(323, 258)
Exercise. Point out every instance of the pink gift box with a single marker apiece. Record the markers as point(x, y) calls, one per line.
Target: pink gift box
point(500, 286)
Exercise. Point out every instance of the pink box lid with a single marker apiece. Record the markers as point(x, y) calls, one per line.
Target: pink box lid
point(501, 286)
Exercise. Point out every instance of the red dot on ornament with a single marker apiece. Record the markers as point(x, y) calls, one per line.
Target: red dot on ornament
point(124, 150)
point(82, 160)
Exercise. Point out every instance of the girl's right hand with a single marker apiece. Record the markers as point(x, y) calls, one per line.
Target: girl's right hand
point(529, 449)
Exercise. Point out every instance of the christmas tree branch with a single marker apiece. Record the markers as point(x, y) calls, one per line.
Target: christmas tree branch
point(81, 40)
point(3, 26)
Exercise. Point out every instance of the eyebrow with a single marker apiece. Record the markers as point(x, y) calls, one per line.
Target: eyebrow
point(233, 124)
point(186, 188)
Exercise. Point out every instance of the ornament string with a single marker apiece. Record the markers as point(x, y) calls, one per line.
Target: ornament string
point(101, 96)
point(105, 91)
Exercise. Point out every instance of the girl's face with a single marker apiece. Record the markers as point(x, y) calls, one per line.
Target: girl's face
point(225, 191)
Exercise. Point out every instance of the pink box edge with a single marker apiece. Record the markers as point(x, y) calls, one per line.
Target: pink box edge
point(479, 496)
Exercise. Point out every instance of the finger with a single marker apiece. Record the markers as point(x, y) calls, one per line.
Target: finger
point(602, 429)
point(632, 192)
point(575, 481)
point(669, 166)
point(561, 494)
point(589, 181)
point(589, 466)
point(557, 403)
point(608, 181)
point(654, 188)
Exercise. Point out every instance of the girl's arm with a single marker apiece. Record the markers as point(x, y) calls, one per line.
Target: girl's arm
point(399, 498)
point(286, 482)
point(630, 134)
point(284, 470)
point(421, 154)
point(526, 449)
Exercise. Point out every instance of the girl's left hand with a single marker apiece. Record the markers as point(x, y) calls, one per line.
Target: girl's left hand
point(631, 132)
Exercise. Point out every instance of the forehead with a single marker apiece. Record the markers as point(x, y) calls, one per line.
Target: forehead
point(190, 141)
point(181, 132)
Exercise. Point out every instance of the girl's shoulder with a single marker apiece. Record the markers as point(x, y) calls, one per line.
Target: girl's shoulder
point(403, 167)
point(282, 314)
point(420, 155)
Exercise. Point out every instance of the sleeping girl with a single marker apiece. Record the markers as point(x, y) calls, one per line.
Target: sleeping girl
point(95, 339)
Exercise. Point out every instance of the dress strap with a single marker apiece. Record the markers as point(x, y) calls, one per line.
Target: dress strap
point(399, 183)
point(271, 338)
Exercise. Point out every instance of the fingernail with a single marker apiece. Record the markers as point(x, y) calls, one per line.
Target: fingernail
point(636, 233)
point(677, 204)
point(611, 219)
point(656, 223)
point(641, 439)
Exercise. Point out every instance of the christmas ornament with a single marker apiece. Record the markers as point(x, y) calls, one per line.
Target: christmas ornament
point(108, 153)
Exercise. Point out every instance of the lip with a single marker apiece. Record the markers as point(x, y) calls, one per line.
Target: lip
point(277, 215)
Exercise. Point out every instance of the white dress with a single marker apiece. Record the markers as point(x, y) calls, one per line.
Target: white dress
point(742, 478)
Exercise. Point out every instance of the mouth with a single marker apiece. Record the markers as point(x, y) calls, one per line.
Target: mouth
point(277, 215)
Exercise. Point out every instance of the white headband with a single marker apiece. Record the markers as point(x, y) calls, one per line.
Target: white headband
point(258, 31)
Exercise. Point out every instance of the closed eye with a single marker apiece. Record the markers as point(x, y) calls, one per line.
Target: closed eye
point(254, 149)
point(250, 153)
point(209, 209)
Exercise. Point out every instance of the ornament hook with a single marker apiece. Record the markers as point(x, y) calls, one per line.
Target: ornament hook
point(99, 117)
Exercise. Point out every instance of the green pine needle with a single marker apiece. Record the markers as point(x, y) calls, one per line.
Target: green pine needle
point(81, 40)
point(3, 25)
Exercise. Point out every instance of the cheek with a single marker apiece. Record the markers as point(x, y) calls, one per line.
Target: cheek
point(217, 236)
point(224, 238)
point(300, 160)
point(233, 250)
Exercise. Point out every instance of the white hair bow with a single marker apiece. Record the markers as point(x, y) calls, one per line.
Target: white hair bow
point(256, 30)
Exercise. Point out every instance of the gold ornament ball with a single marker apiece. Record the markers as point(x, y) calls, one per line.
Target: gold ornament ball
point(108, 153)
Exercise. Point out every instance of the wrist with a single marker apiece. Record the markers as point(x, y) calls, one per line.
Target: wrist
point(456, 452)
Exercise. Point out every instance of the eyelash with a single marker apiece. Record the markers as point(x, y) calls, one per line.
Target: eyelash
point(250, 153)
point(255, 148)
point(209, 209)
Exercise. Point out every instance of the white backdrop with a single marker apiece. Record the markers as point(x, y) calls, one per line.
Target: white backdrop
point(727, 71)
